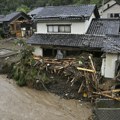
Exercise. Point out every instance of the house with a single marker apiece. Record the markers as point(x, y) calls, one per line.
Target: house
point(110, 9)
point(111, 45)
point(61, 22)
point(73, 29)
point(16, 24)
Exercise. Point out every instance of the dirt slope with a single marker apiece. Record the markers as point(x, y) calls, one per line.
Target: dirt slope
point(27, 104)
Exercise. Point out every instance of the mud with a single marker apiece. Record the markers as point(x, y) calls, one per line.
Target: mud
point(18, 103)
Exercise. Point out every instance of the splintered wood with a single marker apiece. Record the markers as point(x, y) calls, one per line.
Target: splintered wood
point(82, 70)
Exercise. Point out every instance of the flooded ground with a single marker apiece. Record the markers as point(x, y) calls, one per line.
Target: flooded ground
point(27, 104)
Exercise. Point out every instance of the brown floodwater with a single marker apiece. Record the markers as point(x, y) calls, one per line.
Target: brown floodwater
point(18, 103)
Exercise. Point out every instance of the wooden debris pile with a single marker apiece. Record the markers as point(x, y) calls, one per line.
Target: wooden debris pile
point(80, 69)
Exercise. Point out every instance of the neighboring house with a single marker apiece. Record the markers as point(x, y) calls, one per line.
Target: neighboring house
point(110, 9)
point(16, 24)
point(110, 28)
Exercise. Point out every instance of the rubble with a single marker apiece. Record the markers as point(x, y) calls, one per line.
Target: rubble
point(75, 77)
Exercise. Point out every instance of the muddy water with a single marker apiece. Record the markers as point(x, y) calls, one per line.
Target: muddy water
point(27, 104)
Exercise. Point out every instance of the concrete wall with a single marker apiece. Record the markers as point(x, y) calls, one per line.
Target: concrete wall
point(108, 65)
point(111, 2)
point(76, 27)
point(38, 51)
point(113, 9)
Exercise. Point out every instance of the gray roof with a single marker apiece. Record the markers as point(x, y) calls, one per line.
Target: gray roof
point(63, 12)
point(10, 16)
point(109, 43)
point(68, 40)
point(112, 44)
point(13, 15)
point(35, 11)
point(104, 26)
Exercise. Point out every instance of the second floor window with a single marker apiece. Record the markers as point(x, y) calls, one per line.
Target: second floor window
point(113, 15)
point(59, 28)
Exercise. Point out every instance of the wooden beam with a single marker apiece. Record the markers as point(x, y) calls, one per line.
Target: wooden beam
point(87, 70)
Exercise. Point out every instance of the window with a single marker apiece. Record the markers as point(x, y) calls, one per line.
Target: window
point(59, 28)
point(114, 15)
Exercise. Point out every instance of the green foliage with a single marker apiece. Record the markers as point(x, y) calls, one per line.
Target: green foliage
point(23, 8)
point(7, 6)
point(25, 71)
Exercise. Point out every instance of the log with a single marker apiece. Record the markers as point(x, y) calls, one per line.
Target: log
point(94, 74)
point(111, 91)
point(84, 69)
point(80, 88)
point(92, 65)
point(105, 95)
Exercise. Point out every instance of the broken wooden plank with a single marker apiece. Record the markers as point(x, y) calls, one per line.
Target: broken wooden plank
point(106, 95)
point(111, 91)
point(84, 69)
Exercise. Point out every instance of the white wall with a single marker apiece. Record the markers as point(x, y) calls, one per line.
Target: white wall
point(114, 9)
point(87, 22)
point(38, 51)
point(108, 65)
point(76, 27)
point(111, 2)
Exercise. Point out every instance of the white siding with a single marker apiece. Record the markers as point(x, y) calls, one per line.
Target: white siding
point(38, 51)
point(108, 65)
point(76, 27)
point(111, 2)
point(113, 9)
point(87, 23)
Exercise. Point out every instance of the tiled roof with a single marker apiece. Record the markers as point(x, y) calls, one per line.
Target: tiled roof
point(104, 26)
point(109, 43)
point(64, 12)
point(11, 16)
point(35, 11)
point(68, 40)
point(112, 44)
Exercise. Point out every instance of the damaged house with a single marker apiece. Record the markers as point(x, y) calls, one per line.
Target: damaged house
point(16, 24)
point(60, 27)
point(72, 29)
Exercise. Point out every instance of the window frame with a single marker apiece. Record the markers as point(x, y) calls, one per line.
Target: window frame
point(64, 25)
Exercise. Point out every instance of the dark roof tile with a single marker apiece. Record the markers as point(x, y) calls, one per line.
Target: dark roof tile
point(109, 43)
point(63, 12)
point(104, 26)
point(69, 40)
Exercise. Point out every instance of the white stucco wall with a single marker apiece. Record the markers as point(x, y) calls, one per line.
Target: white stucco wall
point(76, 27)
point(111, 2)
point(38, 51)
point(113, 9)
point(108, 65)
